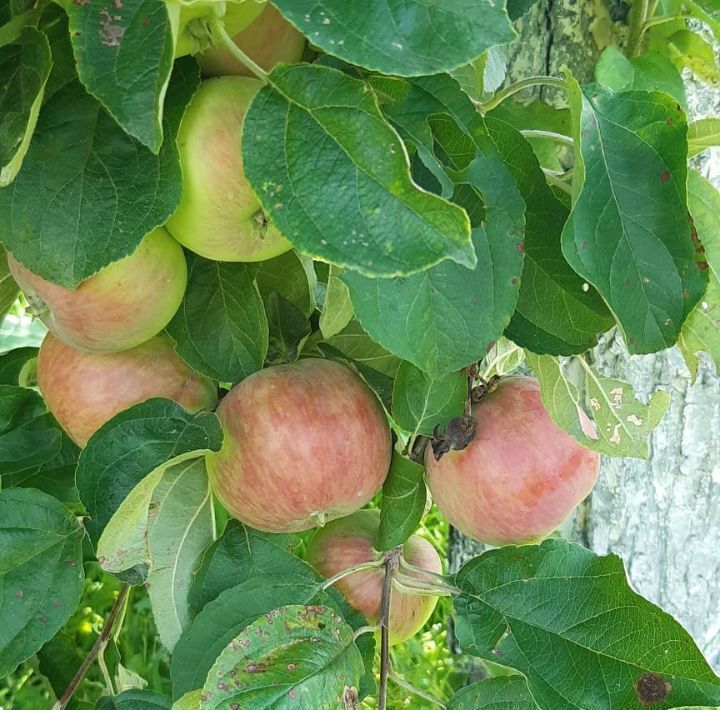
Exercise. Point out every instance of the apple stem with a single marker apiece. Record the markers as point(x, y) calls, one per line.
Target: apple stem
point(365, 630)
point(512, 89)
point(433, 577)
point(219, 28)
point(391, 562)
point(351, 570)
point(411, 585)
point(97, 648)
point(415, 691)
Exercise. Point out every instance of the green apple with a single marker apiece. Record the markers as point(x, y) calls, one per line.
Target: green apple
point(219, 216)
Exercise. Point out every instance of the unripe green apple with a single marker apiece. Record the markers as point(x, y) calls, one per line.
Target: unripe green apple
point(193, 21)
point(348, 542)
point(219, 216)
point(121, 306)
point(84, 390)
point(268, 40)
point(519, 478)
point(304, 443)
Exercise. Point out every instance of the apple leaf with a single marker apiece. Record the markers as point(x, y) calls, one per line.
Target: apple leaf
point(402, 37)
point(354, 343)
point(521, 606)
point(24, 70)
point(687, 49)
point(420, 402)
point(289, 329)
point(304, 654)
point(404, 498)
point(8, 287)
point(320, 117)
point(41, 570)
point(87, 193)
point(124, 54)
point(220, 329)
point(290, 275)
point(628, 233)
point(701, 330)
point(132, 445)
point(503, 358)
point(337, 310)
point(502, 693)
point(601, 413)
point(484, 74)
point(13, 362)
point(703, 134)
point(134, 699)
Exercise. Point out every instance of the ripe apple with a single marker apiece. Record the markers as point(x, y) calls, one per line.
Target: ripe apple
point(219, 216)
point(519, 478)
point(349, 541)
point(193, 21)
point(268, 40)
point(304, 443)
point(84, 390)
point(119, 307)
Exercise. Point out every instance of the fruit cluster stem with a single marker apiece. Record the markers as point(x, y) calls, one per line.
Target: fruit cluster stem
point(391, 562)
point(219, 30)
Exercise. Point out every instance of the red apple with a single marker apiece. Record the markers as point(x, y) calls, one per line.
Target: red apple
point(219, 216)
point(519, 478)
point(270, 39)
point(348, 542)
point(84, 390)
point(121, 306)
point(304, 443)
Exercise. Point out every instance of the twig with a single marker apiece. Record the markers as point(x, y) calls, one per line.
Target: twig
point(638, 16)
point(98, 646)
point(554, 179)
point(508, 91)
point(351, 570)
point(551, 135)
point(415, 691)
point(662, 20)
point(391, 562)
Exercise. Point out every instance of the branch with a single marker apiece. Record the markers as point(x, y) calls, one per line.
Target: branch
point(391, 563)
point(638, 16)
point(97, 648)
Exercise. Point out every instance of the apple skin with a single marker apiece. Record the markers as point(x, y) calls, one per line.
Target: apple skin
point(268, 40)
point(349, 541)
point(121, 306)
point(519, 478)
point(84, 390)
point(219, 216)
point(304, 443)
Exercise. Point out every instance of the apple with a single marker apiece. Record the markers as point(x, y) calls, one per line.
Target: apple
point(219, 216)
point(304, 443)
point(119, 307)
point(349, 541)
point(192, 18)
point(268, 40)
point(521, 475)
point(83, 390)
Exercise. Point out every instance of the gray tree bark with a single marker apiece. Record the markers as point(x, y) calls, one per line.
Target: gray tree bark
point(662, 516)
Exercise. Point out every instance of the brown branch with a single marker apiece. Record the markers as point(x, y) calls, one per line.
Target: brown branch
point(391, 564)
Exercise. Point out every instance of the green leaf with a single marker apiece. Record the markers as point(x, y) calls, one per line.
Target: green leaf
point(41, 571)
point(12, 364)
point(135, 699)
point(524, 605)
point(420, 402)
point(601, 413)
point(503, 358)
point(402, 37)
point(483, 75)
point(701, 330)
point(703, 134)
point(290, 275)
point(289, 329)
point(503, 693)
point(404, 497)
point(87, 193)
point(628, 233)
point(354, 343)
point(132, 445)
point(124, 56)
point(220, 329)
point(59, 660)
point(688, 49)
point(517, 8)
point(337, 310)
point(8, 287)
point(24, 70)
point(315, 115)
point(294, 655)
point(554, 313)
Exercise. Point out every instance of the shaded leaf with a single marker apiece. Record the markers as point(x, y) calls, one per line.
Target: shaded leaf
point(288, 327)
point(703, 134)
point(134, 699)
point(337, 310)
point(290, 275)
point(503, 693)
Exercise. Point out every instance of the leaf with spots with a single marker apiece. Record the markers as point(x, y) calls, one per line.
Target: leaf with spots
point(629, 232)
point(124, 51)
point(41, 572)
point(607, 646)
point(601, 413)
point(293, 656)
point(320, 117)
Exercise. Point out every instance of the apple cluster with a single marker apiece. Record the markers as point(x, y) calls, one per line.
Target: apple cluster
point(305, 444)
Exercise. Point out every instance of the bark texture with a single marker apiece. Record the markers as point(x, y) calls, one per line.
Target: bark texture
point(662, 516)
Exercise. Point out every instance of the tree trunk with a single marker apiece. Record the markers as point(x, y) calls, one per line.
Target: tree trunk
point(662, 516)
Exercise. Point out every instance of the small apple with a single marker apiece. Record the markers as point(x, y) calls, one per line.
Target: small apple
point(268, 40)
point(348, 542)
point(119, 307)
point(84, 390)
point(304, 443)
point(219, 216)
point(519, 478)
